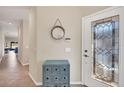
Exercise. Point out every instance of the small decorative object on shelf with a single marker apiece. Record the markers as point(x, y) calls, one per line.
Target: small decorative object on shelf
point(56, 73)
point(67, 38)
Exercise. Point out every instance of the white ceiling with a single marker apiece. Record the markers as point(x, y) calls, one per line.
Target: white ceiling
point(87, 10)
point(14, 15)
point(10, 30)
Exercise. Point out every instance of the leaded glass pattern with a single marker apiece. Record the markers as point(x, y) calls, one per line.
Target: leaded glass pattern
point(105, 39)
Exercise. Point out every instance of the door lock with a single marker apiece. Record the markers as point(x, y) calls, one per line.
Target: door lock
point(86, 56)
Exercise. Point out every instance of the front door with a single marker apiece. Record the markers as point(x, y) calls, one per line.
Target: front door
point(101, 56)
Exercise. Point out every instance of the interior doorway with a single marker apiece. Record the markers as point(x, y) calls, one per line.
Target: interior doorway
point(11, 39)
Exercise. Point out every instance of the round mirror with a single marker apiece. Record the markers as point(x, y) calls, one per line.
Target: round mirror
point(57, 32)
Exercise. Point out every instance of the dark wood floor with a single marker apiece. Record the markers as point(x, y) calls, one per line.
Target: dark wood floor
point(13, 74)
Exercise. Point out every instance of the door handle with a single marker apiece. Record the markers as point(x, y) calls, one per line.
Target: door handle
point(86, 56)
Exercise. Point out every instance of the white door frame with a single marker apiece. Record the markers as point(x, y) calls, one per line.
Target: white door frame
point(121, 39)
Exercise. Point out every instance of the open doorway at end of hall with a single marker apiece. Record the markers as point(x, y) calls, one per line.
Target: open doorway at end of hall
point(11, 45)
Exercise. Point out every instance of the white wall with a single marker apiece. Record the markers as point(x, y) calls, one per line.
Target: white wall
point(20, 42)
point(23, 40)
point(47, 48)
point(33, 71)
point(1, 44)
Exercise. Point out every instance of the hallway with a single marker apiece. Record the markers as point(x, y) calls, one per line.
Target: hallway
point(13, 74)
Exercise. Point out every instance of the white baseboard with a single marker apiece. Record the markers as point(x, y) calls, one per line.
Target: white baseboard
point(82, 83)
point(75, 82)
point(36, 83)
point(25, 64)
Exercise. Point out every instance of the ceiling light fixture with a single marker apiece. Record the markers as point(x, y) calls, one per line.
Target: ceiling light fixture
point(10, 23)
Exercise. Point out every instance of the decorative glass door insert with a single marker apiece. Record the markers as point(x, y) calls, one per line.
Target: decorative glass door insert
point(105, 46)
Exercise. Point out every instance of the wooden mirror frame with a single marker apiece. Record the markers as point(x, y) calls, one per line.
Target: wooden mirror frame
point(52, 30)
